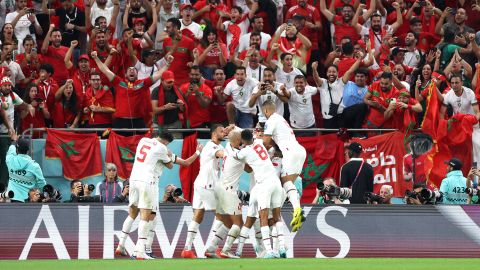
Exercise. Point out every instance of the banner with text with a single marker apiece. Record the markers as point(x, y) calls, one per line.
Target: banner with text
point(71, 231)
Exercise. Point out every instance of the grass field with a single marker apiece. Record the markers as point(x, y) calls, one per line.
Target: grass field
point(288, 264)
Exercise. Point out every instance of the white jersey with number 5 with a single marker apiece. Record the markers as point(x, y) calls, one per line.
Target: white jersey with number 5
point(281, 132)
point(209, 166)
point(256, 156)
point(150, 157)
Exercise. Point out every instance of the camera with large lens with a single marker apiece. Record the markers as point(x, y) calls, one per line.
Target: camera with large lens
point(372, 197)
point(243, 196)
point(411, 194)
point(334, 191)
point(431, 196)
point(51, 194)
point(4, 194)
point(176, 193)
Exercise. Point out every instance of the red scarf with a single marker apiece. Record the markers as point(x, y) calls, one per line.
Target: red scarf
point(373, 36)
point(161, 102)
point(236, 32)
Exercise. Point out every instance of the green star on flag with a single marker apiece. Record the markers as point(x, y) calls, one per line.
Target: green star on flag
point(127, 154)
point(68, 148)
point(312, 172)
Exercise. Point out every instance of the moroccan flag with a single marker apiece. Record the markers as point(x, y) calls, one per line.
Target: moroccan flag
point(121, 152)
point(385, 153)
point(80, 153)
point(325, 157)
point(188, 174)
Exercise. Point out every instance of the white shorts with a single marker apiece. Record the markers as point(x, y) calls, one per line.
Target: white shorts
point(252, 204)
point(156, 200)
point(228, 202)
point(142, 195)
point(269, 194)
point(293, 158)
point(204, 199)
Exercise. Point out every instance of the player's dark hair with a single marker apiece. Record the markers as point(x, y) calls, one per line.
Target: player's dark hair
point(166, 136)
point(247, 135)
point(214, 127)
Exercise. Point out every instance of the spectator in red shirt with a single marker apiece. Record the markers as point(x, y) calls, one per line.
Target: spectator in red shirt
point(98, 103)
point(218, 111)
point(98, 42)
point(80, 75)
point(29, 60)
point(310, 27)
point(208, 9)
point(132, 96)
point(378, 98)
point(198, 96)
point(168, 104)
point(41, 111)
point(212, 54)
point(181, 47)
point(403, 111)
point(67, 109)
point(47, 86)
point(55, 54)
point(344, 24)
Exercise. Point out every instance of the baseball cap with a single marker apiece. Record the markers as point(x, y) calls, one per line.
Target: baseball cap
point(83, 57)
point(396, 50)
point(23, 145)
point(355, 147)
point(139, 20)
point(168, 76)
point(455, 163)
point(184, 6)
point(5, 81)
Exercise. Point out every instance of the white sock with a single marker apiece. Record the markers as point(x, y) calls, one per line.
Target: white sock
point(292, 194)
point(219, 237)
point(232, 235)
point(266, 238)
point(273, 234)
point(241, 239)
point(151, 234)
point(192, 232)
point(280, 233)
point(127, 226)
point(258, 232)
point(142, 237)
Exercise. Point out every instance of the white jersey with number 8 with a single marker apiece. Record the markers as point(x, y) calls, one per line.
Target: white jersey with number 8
point(150, 157)
point(281, 132)
point(256, 156)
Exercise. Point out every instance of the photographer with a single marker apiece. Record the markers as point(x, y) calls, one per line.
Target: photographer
point(326, 191)
point(472, 187)
point(34, 196)
point(123, 197)
point(386, 194)
point(356, 174)
point(173, 195)
point(24, 172)
point(82, 192)
point(413, 197)
point(453, 187)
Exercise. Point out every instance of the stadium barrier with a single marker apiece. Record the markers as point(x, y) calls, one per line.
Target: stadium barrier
point(82, 231)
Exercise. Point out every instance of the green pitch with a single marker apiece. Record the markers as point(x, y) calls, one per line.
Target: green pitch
point(285, 264)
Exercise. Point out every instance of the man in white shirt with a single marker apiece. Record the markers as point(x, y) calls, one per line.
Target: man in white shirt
point(237, 25)
point(268, 89)
point(252, 63)
point(21, 19)
point(15, 71)
point(294, 155)
point(285, 71)
point(266, 183)
point(149, 66)
point(166, 11)
point(257, 27)
point(240, 89)
point(463, 100)
point(299, 100)
point(412, 55)
point(204, 185)
point(150, 158)
point(186, 10)
point(99, 8)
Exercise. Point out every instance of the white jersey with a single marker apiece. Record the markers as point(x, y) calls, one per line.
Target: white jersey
point(281, 132)
point(209, 166)
point(241, 94)
point(301, 108)
point(257, 73)
point(287, 78)
point(277, 164)
point(150, 158)
point(268, 96)
point(232, 168)
point(256, 156)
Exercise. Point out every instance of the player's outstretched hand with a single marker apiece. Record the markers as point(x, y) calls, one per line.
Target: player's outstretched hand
point(200, 147)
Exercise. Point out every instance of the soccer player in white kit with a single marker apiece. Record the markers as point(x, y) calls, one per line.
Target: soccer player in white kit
point(267, 189)
point(294, 156)
point(204, 185)
point(150, 158)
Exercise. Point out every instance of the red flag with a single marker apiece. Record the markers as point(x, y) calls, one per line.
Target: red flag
point(432, 112)
point(188, 174)
point(121, 152)
point(80, 153)
point(325, 157)
point(385, 153)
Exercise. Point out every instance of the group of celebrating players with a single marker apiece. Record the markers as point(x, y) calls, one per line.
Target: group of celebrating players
point(271, 155)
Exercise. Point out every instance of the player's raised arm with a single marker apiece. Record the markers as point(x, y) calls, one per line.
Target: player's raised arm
point(190, 160)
